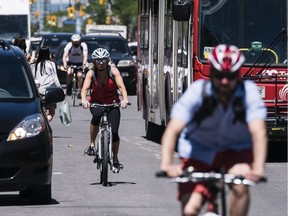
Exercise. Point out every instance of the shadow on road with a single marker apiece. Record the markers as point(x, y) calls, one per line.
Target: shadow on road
point(110, 184)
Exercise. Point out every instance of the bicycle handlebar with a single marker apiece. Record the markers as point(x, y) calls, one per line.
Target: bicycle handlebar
point(105, 105)
point(189, 176)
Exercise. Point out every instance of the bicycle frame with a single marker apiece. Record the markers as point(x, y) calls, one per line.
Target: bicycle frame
point(104, 142)
point(74, 71)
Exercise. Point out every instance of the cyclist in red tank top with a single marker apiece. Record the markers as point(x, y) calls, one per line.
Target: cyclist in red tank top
point(105, 80)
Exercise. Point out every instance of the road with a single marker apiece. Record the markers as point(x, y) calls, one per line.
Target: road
point(134, 191)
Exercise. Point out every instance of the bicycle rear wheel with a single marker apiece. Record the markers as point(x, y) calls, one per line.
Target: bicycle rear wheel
point(105, 158)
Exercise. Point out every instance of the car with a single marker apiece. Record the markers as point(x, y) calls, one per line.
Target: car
point(53, 40)
point(61, 72)
point(120, 54)
point(133, 47)
point(26, 144)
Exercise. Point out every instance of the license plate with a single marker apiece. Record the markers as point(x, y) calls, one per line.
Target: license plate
point(125, 74)
point(261, 90)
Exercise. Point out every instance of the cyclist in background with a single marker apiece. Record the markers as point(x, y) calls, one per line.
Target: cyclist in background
point(75, 53)
point(218, 124)
point(104, 79)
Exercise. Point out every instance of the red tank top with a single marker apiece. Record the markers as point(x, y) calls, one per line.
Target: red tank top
point(104, 95)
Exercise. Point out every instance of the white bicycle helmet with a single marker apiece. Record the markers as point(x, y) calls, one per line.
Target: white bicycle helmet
point(100, 53)
point(76, 37)
point(226, 58)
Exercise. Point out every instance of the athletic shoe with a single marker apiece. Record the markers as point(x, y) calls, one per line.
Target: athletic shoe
point(116, 167)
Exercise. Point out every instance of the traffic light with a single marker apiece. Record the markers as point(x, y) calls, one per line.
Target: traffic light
point(71, 12)
point(52, 20)
point(81, 11)
point(108, 20)
point(90, 21)
point(101, 2)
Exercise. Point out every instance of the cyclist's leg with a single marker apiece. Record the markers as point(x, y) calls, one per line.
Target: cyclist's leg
point(69, 80)
point(191, 203)
point(238, 163)
point(94, 125)
point(114, 119)
point(79, 79)
point(93, 133)
point(239, 200)
point(193, 196)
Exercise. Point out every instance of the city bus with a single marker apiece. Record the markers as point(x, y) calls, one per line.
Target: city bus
point(15, 20)
point(176, 36)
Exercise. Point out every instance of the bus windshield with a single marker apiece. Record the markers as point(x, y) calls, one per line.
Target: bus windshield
point(258, 28)
point(12, 26)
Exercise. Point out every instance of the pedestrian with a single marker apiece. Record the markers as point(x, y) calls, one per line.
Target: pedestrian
point(217, 124)
point(45, 75)
point(21, 43)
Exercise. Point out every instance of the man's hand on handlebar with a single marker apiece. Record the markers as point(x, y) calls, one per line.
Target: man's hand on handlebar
point(173, 170)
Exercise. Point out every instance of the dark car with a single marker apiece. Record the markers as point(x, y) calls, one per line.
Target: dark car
point(26, 145)
point(120, 54)
point(61, 72)
point(53, 40)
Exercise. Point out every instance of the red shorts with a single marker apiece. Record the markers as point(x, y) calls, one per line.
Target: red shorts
point(225, 159)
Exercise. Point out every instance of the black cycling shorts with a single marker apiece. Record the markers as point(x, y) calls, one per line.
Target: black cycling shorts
point(113, 118)
point(77, 64)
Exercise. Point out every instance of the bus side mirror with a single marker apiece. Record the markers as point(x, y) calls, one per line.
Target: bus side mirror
point(181, 9)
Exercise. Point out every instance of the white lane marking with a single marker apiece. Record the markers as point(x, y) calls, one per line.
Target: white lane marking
point(57, 173)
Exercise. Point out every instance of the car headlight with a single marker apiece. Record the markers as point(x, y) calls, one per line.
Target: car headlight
point(125, 63)
point(30, 126)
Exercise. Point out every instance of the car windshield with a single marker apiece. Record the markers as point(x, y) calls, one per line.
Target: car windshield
point(53, 43)
point(250, 25)
point(115, 47)
point(14, 83)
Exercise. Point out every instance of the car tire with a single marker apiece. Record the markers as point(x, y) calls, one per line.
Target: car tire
point(41, 195)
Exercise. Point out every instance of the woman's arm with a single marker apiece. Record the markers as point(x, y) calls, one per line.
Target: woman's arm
point(120, 84)
point(85, 88)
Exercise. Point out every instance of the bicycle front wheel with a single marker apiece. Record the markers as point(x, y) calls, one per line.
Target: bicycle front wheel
point(105, 157)
point(74, 92)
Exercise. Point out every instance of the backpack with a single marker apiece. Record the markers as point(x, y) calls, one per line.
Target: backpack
point(81, 47)
point(210, 102)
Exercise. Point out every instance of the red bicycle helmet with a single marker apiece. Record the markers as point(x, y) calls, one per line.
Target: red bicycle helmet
point(226, 58)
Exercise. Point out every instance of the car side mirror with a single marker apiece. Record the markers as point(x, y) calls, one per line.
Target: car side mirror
point(182, 9)
point(54, 95)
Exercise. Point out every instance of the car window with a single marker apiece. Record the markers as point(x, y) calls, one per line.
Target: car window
point(115, 47)
point(14, 82)
point(52, 42)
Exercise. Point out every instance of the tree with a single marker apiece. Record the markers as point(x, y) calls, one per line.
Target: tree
point(127, 10)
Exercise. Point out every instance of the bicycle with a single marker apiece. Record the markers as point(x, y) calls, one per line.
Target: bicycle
point(216, 181)
point(75, 69)
point(103, 156)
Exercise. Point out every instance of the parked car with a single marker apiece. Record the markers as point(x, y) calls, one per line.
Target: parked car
point(120, 54)
point(26, 144)
point(53, 40)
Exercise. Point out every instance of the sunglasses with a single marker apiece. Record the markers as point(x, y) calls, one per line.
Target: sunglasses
point(104, 61)
point(228, 76)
